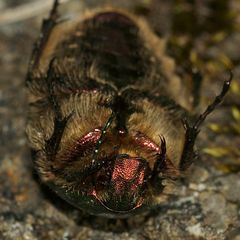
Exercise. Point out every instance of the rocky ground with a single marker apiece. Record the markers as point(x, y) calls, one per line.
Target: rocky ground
point(207, 201)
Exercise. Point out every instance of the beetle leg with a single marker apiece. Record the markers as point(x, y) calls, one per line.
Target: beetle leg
point(47, 26)
point(120, 112)
point(192, 131)
point(103, 133)
point(60, 122)
point(160, 160)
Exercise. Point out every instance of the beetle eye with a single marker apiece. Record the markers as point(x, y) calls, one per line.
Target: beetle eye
point(121, 190)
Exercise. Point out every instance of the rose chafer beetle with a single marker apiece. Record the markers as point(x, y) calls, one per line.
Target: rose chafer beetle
point(108, 120)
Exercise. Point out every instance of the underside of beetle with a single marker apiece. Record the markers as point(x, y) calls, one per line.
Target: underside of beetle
point(109, 120)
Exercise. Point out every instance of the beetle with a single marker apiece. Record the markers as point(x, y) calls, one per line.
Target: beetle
point(108, 121)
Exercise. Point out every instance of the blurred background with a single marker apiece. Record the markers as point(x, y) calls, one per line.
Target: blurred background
point(201, 33)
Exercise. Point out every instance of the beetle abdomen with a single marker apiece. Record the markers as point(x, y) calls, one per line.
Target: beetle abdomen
point(109, 46)
point(105, 48)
